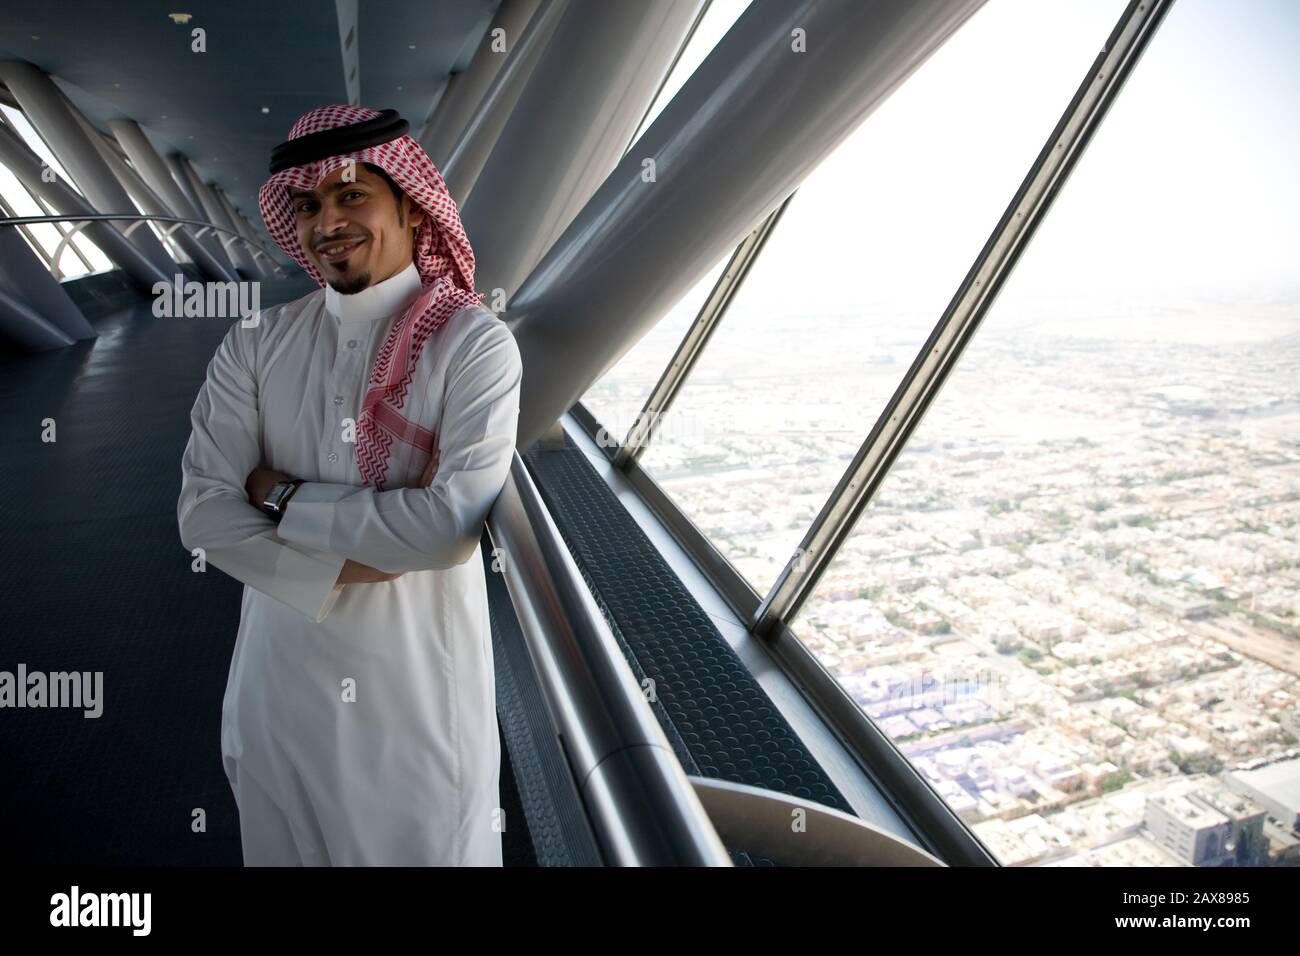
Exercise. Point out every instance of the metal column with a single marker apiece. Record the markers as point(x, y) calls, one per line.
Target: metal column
point(45, 108)
point(149, 200)
point(752, 122)
point(601, 67)
point(175, 166)
point(30, 284)
point(465, 91)
point(151, 168)
point(22, 323)
point(258, 246)
point(215, 213)
point(240, 226)
point(475, 143)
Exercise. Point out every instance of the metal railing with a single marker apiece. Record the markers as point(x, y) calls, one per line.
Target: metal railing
point(641, 805)
point(79, 221)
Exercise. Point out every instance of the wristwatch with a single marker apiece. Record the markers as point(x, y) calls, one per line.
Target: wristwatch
point(279, 496)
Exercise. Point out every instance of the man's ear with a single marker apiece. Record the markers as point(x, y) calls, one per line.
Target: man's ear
point(414, 213)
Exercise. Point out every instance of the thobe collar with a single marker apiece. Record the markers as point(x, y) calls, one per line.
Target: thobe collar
point(377, 301)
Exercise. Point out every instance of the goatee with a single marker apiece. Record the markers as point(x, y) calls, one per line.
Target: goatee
point(350, 286)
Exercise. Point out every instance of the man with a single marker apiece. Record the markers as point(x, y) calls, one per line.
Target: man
point(346, 449)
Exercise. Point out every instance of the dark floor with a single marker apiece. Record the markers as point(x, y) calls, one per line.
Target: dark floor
point(93, 577)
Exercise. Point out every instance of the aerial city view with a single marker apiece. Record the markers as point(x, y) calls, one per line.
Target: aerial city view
point(1073, 602)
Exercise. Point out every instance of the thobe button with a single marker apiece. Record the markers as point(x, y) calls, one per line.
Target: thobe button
point(352, 343)
point(332, 457)
point(338, 399)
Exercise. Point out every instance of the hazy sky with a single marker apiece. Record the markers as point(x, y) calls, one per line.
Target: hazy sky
point(1190, 186)
point(1197, 166)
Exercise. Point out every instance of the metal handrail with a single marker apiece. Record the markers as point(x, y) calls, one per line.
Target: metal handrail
point(136, 219)
point(642, 807)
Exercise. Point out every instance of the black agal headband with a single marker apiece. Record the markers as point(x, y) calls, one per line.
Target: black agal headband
point(384, 128)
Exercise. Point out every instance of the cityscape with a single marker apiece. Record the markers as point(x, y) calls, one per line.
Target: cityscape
point(1073, 602)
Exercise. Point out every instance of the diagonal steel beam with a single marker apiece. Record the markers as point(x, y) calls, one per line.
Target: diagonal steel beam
point(213, 209)
point(568, 129)
point(466, 90)
point(146, 198)
point(150, 167)
point(480, 133)
point(786, 85)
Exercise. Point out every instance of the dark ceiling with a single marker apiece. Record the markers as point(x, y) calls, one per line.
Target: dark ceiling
point(131, 59)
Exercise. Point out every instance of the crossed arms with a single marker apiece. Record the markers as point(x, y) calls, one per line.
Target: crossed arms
point(262, 480)
point(332, 534)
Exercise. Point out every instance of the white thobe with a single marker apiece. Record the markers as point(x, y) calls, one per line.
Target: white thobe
point(359, 721)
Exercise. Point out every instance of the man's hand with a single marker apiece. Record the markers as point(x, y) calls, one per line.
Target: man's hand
point(430, 470)
point(356, 573)
point(259, 484)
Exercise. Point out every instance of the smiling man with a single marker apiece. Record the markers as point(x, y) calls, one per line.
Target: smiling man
point(345, 452)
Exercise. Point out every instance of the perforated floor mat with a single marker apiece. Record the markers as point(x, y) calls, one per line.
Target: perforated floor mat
point(719, 720)
point(554, 826)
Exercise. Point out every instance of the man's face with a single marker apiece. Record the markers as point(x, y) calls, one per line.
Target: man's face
point(356, 233)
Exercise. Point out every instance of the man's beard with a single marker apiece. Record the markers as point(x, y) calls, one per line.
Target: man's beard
point(350, 286)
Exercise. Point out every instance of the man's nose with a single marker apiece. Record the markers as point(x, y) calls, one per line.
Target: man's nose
point(331, 220)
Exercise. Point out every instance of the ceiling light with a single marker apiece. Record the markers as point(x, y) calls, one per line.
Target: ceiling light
point(266, 109)
point(180, 17)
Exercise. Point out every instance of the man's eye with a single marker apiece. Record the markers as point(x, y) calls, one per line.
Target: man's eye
point(304, 207)
point(353, 192)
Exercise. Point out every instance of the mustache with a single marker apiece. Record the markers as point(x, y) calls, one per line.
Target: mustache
point(331, 240)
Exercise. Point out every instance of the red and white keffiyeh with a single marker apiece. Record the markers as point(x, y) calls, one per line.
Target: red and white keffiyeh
point(443, 258)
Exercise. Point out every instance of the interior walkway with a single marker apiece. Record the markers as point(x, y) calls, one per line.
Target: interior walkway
point(94, 578)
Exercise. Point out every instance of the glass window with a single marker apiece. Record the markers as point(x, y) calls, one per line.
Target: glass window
point(48, 236)
point(857, 272)
point(91, 258)
point(20, 202)
point(169, 243)
point(618, 396)
point(70, 264)
point(37, 144)
point(620, 393)
point(1074, 603)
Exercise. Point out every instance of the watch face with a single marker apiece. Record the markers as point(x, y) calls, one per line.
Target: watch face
point(276, 497)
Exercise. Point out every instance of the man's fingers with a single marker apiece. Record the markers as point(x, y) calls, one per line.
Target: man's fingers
point(429, 471)
point(354, 572)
